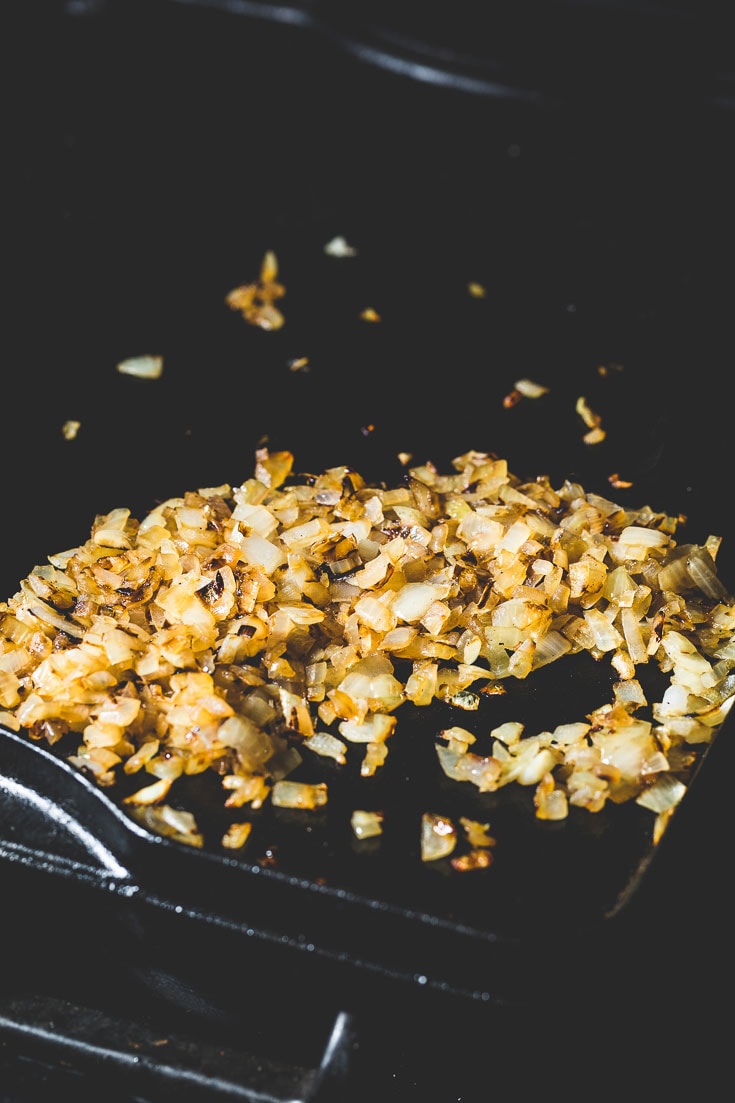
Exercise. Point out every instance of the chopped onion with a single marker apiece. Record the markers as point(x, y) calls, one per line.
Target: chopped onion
point(246, 630)
point(366, 825)
point(438, 837)
point(529, 389)
point(339, 247)
point(143, 367)
point(297, 794)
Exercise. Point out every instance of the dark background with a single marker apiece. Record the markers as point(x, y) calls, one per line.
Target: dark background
point(153, 153)
point(577, 160)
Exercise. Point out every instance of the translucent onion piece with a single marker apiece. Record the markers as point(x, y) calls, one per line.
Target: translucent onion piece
point(143, 367)
point(366, 825)
point(296, 794)
point(701, 569)
point(438, 837)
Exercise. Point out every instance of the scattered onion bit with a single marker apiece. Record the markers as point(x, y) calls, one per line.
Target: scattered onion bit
point(662, 822)
point(479, 855)
point(322, 743)
point(551, 803)
point(173, 823)
point(589, 417)
point(253, 790)
point(150, 794)
point(605, 369)
point(370, 315)
point(471, 860)
point(529, 389)
point(233, 629)
point(301, 363)
point(299, 794)
point(70, 429)
point(478, 834)
point(524, 388)
point(142, 367)
point(493, 690)
point(618, 482)
point(366, 825)
point(339, 247)
point(438, 837)
point(255, 301)
point(236, 836)
point(512, 398)
point(476, 290)
point(592, 420)
point(404, 458)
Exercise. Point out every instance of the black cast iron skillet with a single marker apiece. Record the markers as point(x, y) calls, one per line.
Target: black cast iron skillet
point(599, 236)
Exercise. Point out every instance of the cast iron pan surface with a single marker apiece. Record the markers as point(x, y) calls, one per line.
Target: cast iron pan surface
point(153, 171)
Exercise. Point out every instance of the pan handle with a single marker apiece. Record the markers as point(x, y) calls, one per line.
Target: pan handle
point(52, 814)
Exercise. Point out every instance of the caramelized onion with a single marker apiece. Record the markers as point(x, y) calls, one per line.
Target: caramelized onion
point(243, 629)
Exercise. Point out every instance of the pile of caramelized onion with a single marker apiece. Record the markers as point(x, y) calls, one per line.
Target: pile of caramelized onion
point(241, 629)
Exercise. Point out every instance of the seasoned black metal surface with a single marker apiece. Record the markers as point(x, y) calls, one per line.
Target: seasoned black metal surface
point(153, 163)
